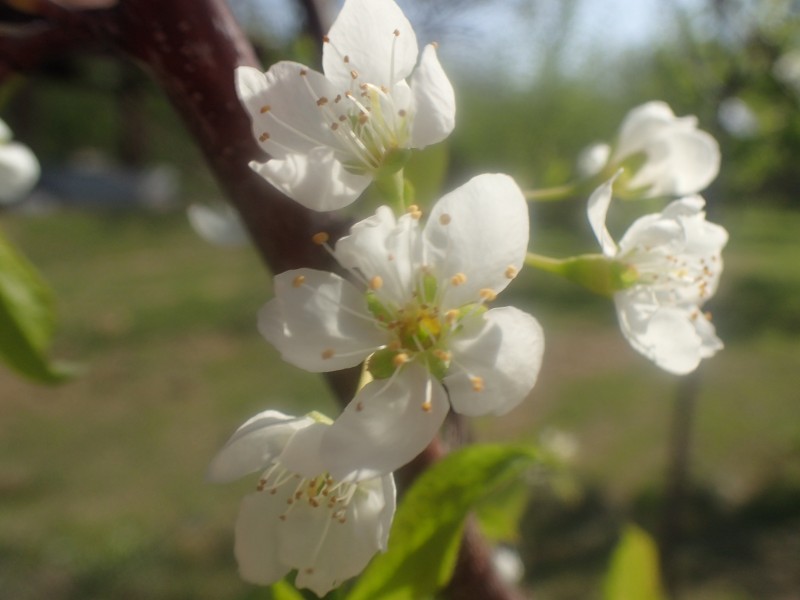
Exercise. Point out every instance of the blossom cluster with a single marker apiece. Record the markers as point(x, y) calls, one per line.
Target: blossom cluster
point(415, 303)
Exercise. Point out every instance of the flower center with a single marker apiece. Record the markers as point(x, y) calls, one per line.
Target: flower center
point(321, 492)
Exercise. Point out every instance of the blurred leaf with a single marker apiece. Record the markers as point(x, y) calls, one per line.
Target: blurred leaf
point(499, 514)
point(283, 590)
point(426, 170)
point(26, 319)
point(634, 573)
point(424, 541)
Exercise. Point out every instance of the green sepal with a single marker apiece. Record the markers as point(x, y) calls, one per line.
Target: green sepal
point(381, 364)
point(430, 287)
point(435, 365)
point(595, 272)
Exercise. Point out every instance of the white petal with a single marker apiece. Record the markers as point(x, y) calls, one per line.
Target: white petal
point(302, 452)
point(364, 34)
point(596, 211)
point(283, 111)
point(592, 159)
point(321, 324)
point(435, 101)
point(256, 545)
point(665, 335)
point(218, 225)
point(385, 425)
point(19, 171)
point(710, 344)
point(640, 126)
point(253, 445)
point(486, 232)
point(681, 162)
point(504, 349)
point(317, 180)
point(385, 247)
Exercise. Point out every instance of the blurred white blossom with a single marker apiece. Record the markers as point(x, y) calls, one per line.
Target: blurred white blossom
point(19, 169)
point(299, 517)
point(661, 154)
point(218, 224)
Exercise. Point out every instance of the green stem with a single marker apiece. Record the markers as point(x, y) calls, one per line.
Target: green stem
point(545, 263)
point(559, 192)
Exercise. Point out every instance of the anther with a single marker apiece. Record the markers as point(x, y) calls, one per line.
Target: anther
point(320, 238)
point(303, 72)
point(263, 137)
point(401, 113)
point(487, 294)
point(337, 99)
point(707, 315)
point(400, 359)
point(442, 355)
point(298, 281)
point(477, 384)
point(451, 316)
point(363, 118)
point(342, 118)
point(265, 109)
point(326, 39)
point(334, 126)
point(458, 279)
point(445, 219)
point(435, 45)
point(346, 58)
point(376, 283)
point(396, 33)
point(427, 406)
point(414, 211)
point(511, 271)
point(327, 353)
point(354, 74)
point(322, 101)
point(359, 406)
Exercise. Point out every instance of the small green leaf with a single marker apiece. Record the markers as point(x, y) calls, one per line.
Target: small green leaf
point(27, 319)
point(427, 529)
point(283, 590)
point(633, 572)
point(499, 514)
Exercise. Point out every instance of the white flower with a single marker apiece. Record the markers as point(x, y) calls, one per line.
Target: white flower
point(676, 255)
point(663, 155)
point(330, 135)
point(299, 517)
point(420, 319)
point(19, 169)
point(219, 225)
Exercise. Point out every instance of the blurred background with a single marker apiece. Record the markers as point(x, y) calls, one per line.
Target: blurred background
point(101, 479)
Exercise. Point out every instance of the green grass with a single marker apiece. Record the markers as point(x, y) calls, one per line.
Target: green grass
point(101, 479)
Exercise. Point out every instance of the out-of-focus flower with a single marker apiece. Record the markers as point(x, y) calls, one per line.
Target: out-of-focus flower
point(661, 154)
point(787, 69)
point(219, 225)
point(19, 169)
point(299, 517)
point(420, 320)
point(331, 134)
point(737, 118)
point(675, 260)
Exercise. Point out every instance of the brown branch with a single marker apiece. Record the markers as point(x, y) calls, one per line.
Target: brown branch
point(191, 48)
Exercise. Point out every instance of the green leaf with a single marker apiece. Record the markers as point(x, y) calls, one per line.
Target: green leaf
point(499, 514)
point(283, 590)
point(633, 572)
point(427, 529)
point(27, 319)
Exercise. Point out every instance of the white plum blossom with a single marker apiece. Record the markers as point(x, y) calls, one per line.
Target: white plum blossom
point(329, 135)
point(663, 155)
point(19, 169)
point(675, 257)
point(218, 224)
point(299, 517)
point(419, 318)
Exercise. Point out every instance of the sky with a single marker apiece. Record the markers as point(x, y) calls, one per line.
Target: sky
point(509, 34)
